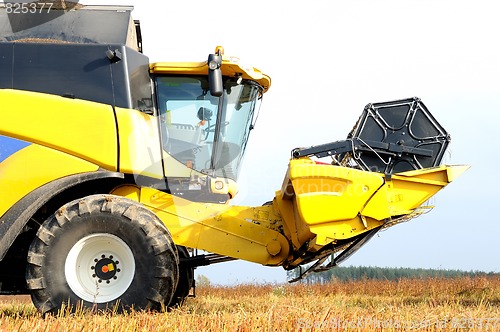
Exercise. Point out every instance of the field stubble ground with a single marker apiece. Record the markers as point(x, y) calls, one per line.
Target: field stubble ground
point(460, 304)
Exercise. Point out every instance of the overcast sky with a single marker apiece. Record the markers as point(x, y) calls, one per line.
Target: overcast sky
point(327, 60)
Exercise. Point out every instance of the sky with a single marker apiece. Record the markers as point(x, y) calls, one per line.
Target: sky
point(327, 60)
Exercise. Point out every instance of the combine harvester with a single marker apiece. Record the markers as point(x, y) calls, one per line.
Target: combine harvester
point(115, 171)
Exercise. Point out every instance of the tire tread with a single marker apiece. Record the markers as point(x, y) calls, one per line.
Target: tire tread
point(156, 234)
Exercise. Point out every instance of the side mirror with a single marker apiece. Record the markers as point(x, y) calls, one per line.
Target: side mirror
point(215, 74)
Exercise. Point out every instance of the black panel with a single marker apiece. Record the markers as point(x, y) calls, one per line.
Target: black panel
point(131, 79)
point(373, 130)
point(5, 65)
point(388, 137)
point(413, 137)
point(80, 71)
point(66, 55)
point(394, 117)
point(423, 127)
point(140, 81)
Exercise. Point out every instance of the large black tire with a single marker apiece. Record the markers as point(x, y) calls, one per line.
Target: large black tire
point(102, 252)
point(186, 280)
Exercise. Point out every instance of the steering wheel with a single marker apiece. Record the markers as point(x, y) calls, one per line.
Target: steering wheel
point(211, 128)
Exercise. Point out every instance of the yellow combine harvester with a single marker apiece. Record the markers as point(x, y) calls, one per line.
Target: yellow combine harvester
point(113, 171)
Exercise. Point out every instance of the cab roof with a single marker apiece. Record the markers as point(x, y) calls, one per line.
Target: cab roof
point(230, 67)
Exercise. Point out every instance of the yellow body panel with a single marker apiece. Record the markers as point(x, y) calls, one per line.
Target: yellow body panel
point(406, 191)
point(175, 168)
point(327, 193)
point(32, 167)
point(321, 204)
point(296, 230)
point(341, 230)
point(140, 150)
point(72, 126)
point(248, 233)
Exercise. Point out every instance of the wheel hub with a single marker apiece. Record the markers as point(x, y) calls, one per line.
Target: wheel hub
point(99, 268)
point(105, 269)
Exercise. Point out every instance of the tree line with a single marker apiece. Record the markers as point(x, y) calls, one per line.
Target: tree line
point(350, 273)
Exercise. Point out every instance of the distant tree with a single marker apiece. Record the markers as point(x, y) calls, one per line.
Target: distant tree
point(349, 273)
point(202, 281)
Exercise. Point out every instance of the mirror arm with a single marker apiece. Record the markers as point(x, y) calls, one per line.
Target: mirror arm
point(215, 73)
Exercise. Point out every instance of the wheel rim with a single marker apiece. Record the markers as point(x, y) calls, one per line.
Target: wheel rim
point(99, 268)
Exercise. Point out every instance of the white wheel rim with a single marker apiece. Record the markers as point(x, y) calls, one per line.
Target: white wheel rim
point(99, 268)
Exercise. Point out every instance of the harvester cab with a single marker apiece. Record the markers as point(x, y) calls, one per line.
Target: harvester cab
point(205, 123)
point(114, 171)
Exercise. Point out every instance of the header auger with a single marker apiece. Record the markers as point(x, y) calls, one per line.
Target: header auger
point(114, 171)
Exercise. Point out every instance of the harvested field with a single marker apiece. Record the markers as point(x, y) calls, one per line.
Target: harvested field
point(462, 304)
